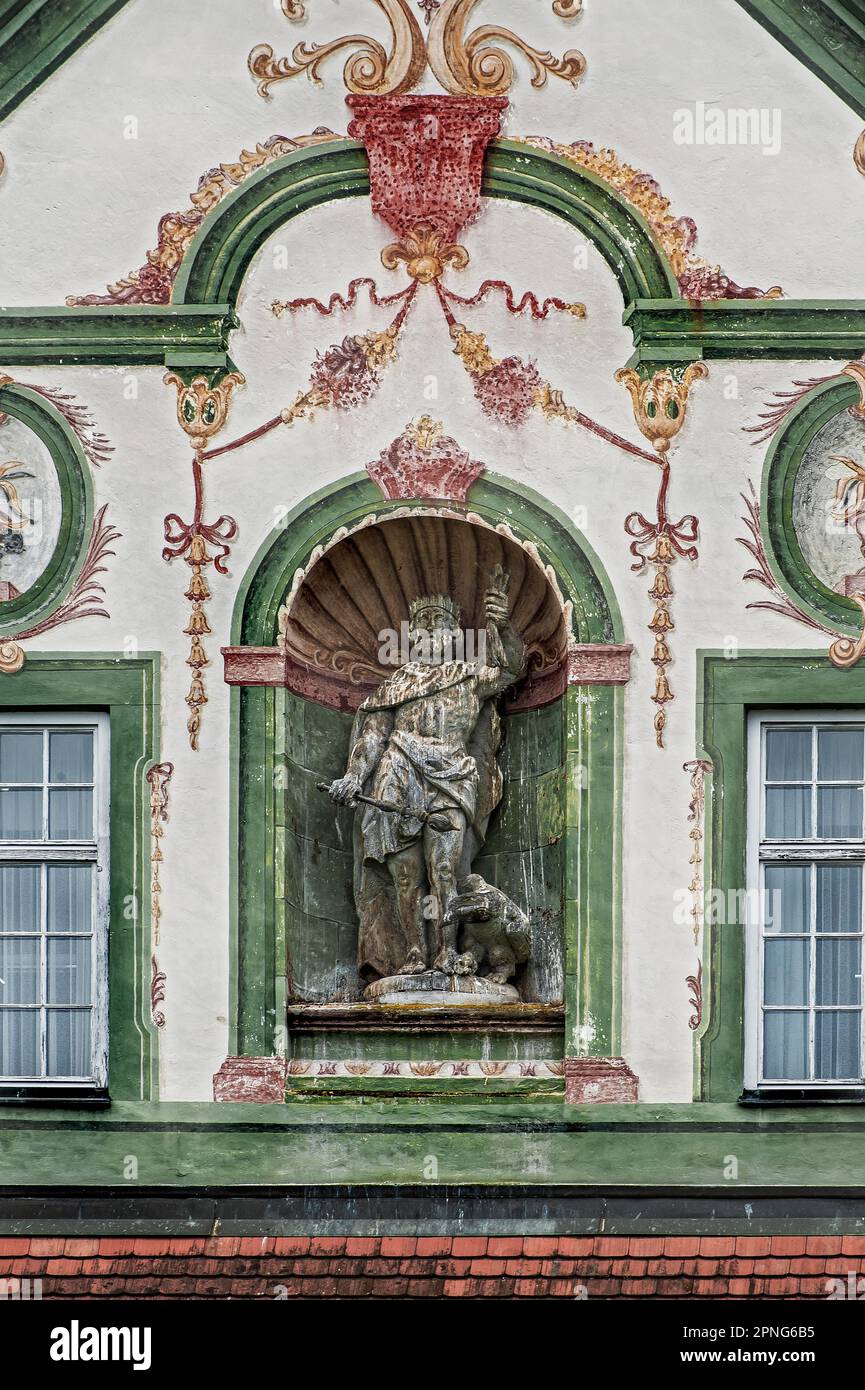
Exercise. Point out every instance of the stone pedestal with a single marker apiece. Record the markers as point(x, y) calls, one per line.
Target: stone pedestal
point(435, 988)
point(599, 1081)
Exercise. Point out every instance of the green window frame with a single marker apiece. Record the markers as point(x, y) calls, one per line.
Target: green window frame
point(730, 689)
point(127, 690)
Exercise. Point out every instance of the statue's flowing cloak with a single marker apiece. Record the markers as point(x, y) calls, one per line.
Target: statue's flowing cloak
point(382, 947)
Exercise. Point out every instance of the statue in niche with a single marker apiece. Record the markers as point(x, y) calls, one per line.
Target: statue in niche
point(423, 775)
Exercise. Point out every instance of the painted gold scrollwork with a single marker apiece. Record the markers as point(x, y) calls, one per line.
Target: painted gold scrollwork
point(856, 370)
point(371, 70)
point(426, 253)
point(859, 153)
point(660, 401)
point(467, 64)
point(11, 657)
point(202, 408)
point(844, 652)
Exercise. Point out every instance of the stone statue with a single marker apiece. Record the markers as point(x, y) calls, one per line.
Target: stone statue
point(422, 772)
point(494, 930)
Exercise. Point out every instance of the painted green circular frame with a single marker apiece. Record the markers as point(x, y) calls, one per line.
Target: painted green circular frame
point(48, 591)
point(783, 462)
point(219, 257)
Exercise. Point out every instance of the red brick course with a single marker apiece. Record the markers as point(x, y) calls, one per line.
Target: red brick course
point(277, 1267)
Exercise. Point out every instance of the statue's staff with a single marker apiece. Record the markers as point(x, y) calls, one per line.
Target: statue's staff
point(436, 820)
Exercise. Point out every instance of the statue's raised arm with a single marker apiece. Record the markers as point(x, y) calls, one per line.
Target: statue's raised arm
point(506, 650)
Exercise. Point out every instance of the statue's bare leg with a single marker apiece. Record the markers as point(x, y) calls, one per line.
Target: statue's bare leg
point(443, 851)
point(407, 872)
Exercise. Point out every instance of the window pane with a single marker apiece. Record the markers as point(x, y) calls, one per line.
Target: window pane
point(839, 755)
point(785, 973)
point(839, 971)
point(19, 970)
point(839, 897)
point(788, 813)
point(19, 897)
point(21, 757)
point(68, 1042)
point(787, 894)
point(788, 755)
point(785, 1046)
point(70, 757)
point(836, 1046)
point(19, 1042)
point(69, 970)
point(69, 897)
point(70, 814)
point(21, 814)
point(839, 813)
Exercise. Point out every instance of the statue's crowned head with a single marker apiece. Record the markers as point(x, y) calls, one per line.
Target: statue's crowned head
point(434, 613)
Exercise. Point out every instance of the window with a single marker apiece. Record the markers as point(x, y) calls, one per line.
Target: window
point(806, 853)
point(53, 899)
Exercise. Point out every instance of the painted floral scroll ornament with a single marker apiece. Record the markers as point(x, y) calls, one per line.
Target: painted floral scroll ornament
point(202, 409)
point(425, 462)
point(695, 985)
point(84, 599)
point(698, 769)
point(770, 420)
point(153, 282)
point(660, 405)
point(843, 652)
point(697, 278)
point(465, 64)
point(159, 777)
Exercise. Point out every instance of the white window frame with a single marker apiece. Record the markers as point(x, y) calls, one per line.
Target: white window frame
point(760, 851)
point(94, 851)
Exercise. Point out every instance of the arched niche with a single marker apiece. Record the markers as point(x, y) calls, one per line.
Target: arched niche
point(344, 562)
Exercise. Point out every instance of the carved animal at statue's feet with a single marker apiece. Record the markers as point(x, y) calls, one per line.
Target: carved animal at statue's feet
point(494, 931)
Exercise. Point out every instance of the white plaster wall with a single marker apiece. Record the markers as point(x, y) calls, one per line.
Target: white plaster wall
point(79, 202)
point(79, 207)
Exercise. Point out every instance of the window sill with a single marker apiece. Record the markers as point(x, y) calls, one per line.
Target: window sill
point(82, 1097)
point(805, 1095)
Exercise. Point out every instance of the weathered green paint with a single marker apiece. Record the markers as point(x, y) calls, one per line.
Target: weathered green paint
point(785, 455)
point(828, 36)
point(670, 331)
point(128, 688)
point(192, 334)
point(219, 257)
point(178, 336)
point(73, 477)
point(273, 904)
point(36, 36)
point(612, 1149)
point(727, 689)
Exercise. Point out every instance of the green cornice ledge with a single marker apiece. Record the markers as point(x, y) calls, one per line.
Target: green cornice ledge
point(667, 331)
point(36, 36)
point(540, 1143)
point(130, 334)
point(828, 36)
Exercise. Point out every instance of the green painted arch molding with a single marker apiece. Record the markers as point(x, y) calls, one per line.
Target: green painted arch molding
point(780, 471)
point(497, 500)
point(220, 255)
point(70, 465)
